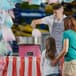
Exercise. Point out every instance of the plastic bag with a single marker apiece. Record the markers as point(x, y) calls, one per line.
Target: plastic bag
point(4, 48)
point(52, 1)
point(5, 19)
point(8, 21)
point(7, 34)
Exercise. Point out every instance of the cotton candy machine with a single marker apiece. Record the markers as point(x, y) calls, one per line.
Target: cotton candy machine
point(28, 40)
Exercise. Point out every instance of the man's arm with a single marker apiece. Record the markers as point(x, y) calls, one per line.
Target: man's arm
point(35, 22)
point(44, 20)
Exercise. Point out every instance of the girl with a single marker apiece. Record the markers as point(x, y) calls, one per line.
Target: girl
point(47, 56)
point(69, 47)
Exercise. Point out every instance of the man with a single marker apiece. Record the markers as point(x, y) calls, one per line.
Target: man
point(55, 23)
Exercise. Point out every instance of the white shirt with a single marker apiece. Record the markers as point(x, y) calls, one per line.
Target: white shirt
point(46, 67)
point(49, 21)
point(56, 28)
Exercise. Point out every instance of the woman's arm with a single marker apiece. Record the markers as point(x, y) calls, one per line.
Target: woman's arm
point(63, 52)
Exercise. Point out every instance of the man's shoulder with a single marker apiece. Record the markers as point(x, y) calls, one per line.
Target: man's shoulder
point(51, 16)
point(54, 15)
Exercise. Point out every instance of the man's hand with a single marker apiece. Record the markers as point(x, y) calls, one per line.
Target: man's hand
point(33, 24)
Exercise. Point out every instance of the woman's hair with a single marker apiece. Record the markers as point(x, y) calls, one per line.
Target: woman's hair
point(70, 23)
point(50, 48)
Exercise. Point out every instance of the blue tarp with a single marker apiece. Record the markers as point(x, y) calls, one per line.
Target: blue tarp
point(68, 1)
point(37, 2)
point(16, 1)
point(8, 4)
point(28, 15)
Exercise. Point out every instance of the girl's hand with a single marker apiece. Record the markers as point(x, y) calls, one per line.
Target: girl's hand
point(54, 62)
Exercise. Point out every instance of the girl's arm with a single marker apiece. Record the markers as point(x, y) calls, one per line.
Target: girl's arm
point(42, 62)
point(63, 52)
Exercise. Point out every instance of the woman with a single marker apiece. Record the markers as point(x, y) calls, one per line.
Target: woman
point(69, 47)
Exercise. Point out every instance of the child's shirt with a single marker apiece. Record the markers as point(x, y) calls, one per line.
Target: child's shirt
point(46, 67)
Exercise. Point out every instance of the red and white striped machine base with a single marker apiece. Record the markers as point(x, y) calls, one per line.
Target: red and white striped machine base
point(20, 66)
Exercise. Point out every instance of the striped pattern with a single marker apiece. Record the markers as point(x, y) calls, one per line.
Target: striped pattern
point(20, 66)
